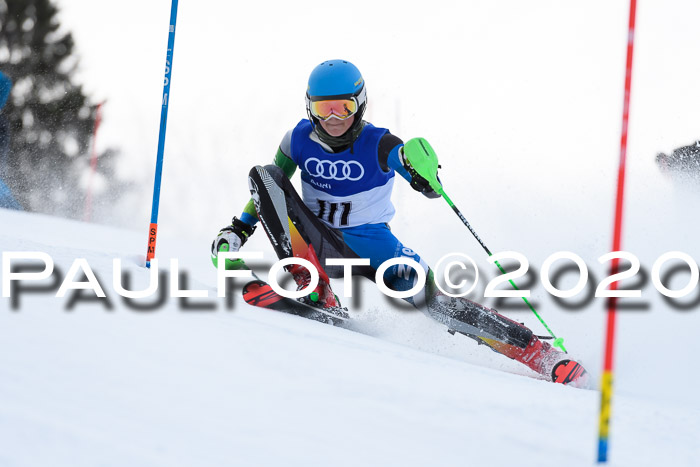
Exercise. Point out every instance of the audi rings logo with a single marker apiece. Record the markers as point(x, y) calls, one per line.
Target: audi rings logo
point(338, 170)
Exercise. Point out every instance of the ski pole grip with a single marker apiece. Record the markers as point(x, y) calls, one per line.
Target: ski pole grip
point(421, 156)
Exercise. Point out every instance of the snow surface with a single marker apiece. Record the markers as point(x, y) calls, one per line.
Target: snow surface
point(522, 102)
point(92, 384)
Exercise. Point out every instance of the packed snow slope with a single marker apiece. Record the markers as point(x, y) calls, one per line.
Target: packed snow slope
point(99, 383)
point(522, 102)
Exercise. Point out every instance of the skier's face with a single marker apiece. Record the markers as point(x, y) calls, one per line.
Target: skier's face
point(335, 127)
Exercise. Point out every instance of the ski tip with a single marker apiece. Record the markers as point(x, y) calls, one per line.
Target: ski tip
point(259, 293)
point(570, 373)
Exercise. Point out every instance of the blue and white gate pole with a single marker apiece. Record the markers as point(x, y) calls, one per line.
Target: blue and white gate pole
point(153, 228)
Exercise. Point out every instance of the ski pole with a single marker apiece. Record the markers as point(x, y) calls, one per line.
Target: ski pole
point(427, 168)
point(558, 341)
point(153, 227)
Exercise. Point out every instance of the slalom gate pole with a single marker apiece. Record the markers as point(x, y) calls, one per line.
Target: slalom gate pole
point(558, 341)
point(606, 383)
point(87, 213)
point(153, 227)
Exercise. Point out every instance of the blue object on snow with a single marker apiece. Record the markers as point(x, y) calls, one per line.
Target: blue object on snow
point(5, 87)
point(8, 201)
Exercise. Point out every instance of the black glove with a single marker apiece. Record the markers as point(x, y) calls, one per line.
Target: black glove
point(418, 182)
point(234, 236)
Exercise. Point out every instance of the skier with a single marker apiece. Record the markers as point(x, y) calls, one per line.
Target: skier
point(348, 168)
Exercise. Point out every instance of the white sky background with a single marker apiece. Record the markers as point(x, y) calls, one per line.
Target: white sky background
point(521, 100)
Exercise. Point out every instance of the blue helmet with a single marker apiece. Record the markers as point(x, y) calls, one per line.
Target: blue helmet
point(337, 79)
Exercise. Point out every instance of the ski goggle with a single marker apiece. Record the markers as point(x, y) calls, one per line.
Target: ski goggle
point(338, 108)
